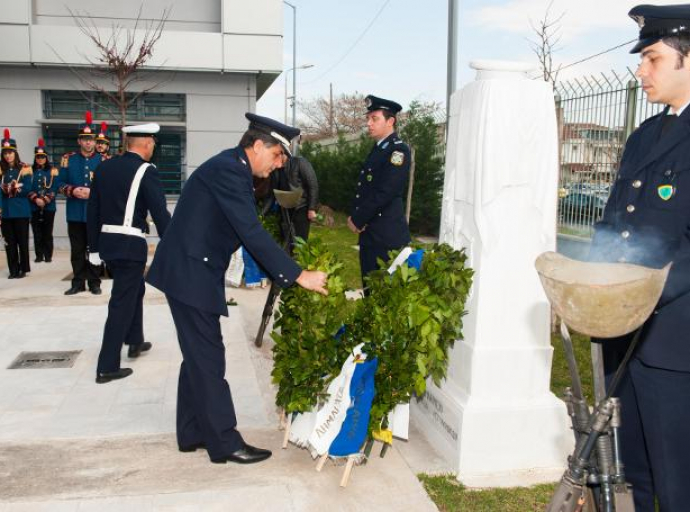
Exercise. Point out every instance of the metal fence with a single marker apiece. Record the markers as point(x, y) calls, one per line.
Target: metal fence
point(596, 114)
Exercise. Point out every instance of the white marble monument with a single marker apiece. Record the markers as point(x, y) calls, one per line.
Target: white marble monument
point(494, 417)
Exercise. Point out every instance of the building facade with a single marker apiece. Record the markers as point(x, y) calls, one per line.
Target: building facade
point(214, 60)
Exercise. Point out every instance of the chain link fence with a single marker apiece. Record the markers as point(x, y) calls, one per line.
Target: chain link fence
point(596, 114)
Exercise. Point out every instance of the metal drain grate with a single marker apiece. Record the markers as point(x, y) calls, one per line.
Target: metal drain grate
point(43, 360)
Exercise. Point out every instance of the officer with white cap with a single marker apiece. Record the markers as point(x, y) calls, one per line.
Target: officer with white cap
point(216, 214)
point(124, 189)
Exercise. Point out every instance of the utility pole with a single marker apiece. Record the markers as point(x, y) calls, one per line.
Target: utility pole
point(452, 55)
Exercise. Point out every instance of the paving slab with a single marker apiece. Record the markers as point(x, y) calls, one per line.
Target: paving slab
point(67, 443)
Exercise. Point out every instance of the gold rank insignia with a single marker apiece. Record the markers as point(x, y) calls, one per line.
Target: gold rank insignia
point(397, 158)
point(65, 161)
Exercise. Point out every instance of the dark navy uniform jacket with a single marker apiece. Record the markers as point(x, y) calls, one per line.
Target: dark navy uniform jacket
point(378, 203)
point(44, 186)
point(647, 222)
point(106, 205)
point(77, 171)
point(216, 214)
point(15, 202)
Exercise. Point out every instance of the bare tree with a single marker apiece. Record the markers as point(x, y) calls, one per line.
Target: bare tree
point(121, 60)
point(326, 118)
point(548, 37)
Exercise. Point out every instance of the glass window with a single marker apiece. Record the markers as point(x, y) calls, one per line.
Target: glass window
point(168, 156)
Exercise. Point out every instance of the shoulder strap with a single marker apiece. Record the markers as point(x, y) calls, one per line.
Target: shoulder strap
point(133, 191)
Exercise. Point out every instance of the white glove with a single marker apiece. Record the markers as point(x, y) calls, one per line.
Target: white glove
point(95, 259)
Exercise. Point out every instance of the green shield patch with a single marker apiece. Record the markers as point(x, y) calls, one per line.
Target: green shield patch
point(666, 192)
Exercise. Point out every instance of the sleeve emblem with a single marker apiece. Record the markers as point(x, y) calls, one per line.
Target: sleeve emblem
point(397, 158)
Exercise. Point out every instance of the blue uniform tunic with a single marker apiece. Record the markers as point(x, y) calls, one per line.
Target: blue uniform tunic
point(44, 186)
point(76, 170)
point(17, 206)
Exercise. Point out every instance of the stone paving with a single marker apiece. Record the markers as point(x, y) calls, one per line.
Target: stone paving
point(69, 444)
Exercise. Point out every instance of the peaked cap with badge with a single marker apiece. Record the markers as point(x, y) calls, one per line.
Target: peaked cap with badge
point(647, 222)
point(659, 21)
point(7, 141)
point(374, 103)
point(282, 133)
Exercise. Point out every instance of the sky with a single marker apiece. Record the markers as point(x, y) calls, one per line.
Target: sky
point(397, 49)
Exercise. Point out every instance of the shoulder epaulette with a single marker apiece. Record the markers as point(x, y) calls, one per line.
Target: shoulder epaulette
point(64, 162)
point(26, 170)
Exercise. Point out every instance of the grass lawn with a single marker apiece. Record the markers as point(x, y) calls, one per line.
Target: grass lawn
point(450, 495)
point(445, 490)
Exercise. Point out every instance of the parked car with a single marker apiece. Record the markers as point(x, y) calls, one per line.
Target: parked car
point(579, 208)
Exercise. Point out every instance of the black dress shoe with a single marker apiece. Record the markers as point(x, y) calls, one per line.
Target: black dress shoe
point(102, 378)
point(20, 275)
point(47, 259)
point(95, 289)
point(75, 289)
point(248, 454)
point(136, 350)
point(12, 276)
point(38, 259)
point(191, 448)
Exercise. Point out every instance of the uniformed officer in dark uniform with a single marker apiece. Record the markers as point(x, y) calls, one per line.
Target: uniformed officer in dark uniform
point(76, 172)
point(377, 212)
point(647, 221)
point(123, 190)
point(216, 214)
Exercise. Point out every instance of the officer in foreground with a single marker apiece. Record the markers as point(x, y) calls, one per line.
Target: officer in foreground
point(647, 222)
point(214, 215)
point(377, 214)
point(124, 189)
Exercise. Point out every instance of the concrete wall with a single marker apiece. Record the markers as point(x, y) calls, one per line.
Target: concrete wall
point(200, 35)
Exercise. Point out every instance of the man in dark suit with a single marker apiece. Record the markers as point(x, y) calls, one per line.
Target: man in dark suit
point(647, 222)
point(124, 189)
point(216, 214)
point(377, 211)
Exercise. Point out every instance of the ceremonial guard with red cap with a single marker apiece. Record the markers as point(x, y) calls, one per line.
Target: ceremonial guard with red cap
point(377, 213)
point(124, 189)
point(215, 214)
point(102, 141)
point(647, 222)
point(16, 211)
point(43, 206)
point(76, 173)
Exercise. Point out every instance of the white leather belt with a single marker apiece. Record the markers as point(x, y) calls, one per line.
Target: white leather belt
point(122, 230)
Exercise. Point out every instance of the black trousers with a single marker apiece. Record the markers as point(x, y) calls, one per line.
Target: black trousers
point(16, 235)
point(125, 313)
point(368, 254)
point(301, 223)
point(205, 411)
point(83, 270)
point(42, 227)
point(655, 433)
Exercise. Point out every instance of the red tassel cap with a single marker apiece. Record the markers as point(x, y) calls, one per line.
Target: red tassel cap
point(89, 117)
point(41, 142)
point(7, 133)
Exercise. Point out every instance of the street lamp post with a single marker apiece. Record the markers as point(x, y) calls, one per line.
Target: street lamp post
point(294, 63)
point(293, 97)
